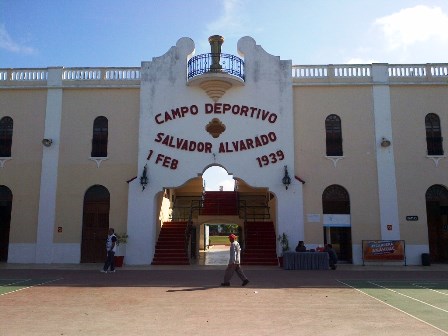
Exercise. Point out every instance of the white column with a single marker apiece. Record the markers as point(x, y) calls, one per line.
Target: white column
point(49, 174)
point(290, 219)
point(387, 184)
point(141, 229)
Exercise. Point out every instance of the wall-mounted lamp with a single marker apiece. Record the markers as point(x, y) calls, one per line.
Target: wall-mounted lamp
point(385, 142)
point(47, 142)
point(286, 179)
point(144, 178)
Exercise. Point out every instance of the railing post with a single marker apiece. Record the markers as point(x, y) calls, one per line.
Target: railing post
point(330, 71)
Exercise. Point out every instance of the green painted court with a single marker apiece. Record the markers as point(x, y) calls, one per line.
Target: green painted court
point(8, 286)
point(426, 301)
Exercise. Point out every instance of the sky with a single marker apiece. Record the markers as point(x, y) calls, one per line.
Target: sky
point(123, 33)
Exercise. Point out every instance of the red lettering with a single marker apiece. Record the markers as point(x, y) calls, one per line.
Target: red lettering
point(174, 164)
point(217, 108)
point(167, 116)
point(235, 145)
point(250, 144)
point(208, 108)
point(159, 158)
point(185, 145)
point(264, 139)
point(157, 119)
point(166, 162)
point(192, 146)
point(175, 113)
point(194, 109)
point(184, 110)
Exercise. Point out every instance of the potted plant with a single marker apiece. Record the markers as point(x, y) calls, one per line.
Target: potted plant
point(283, 239)
point(122, 239)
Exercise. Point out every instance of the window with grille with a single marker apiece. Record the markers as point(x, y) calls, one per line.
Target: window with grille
point(100, 136)
point(6, 127)
point(333, 135)
point(433, 134)
point(335, 200)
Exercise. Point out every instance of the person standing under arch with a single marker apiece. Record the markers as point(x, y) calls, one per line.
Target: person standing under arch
point(234, 263)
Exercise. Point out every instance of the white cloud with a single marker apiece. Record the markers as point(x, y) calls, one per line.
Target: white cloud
point(415, 25)
point(7, 43)
point(230, 22)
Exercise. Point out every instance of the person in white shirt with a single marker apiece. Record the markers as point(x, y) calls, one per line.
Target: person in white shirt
point(234, 263)
point(111, 247)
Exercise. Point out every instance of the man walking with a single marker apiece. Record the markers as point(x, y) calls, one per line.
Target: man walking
point(234, 263)
point(111, 247)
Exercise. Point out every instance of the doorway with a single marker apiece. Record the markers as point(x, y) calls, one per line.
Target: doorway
point(214, 246)
point(5, 221)
point(341, 239)
point(95, 224)
point(437, 217)
point(337, 231)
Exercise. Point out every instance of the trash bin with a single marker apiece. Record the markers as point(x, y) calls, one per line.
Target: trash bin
point(425, 259)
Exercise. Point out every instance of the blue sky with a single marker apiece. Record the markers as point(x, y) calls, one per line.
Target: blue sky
point(91, 33)
point(122, 33)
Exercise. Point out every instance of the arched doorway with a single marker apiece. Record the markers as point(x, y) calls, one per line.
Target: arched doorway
point(437, 216)
point(95, 224)
point(337, 223)
point(5, 221)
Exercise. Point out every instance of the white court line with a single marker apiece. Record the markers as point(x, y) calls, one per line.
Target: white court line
point(387, 304)
point(409, 297)
point(434, 290)
point(20, 289)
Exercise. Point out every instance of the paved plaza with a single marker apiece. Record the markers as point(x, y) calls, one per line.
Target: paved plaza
point(173, 300)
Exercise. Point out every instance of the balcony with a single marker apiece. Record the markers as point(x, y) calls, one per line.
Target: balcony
point(215, 73)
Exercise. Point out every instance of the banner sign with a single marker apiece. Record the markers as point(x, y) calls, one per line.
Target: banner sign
point(383, 250)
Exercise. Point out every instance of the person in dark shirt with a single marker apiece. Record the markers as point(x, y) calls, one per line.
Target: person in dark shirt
point(333, 258)
point(301, 247)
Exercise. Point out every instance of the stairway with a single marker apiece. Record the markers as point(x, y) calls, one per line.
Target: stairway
point(221, 203)
point(170, 247)
point(260, 244)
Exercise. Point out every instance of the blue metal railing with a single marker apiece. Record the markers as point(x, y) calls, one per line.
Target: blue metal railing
point(202, 64)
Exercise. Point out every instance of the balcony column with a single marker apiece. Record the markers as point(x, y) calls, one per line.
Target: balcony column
point(216, 42)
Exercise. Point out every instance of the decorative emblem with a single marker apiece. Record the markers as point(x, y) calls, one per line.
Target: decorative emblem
point(215, 127)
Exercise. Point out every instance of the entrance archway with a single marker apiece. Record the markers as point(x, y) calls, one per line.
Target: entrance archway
point(437, 217)
point(203, 202)
point(5, 221)
point(337, 224)
point(95, 224)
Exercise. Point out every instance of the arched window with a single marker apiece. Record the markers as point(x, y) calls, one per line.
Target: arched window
point(335, 200)
point(100, 136)
point(6, 127)
point(333, 132)
point(433, 134)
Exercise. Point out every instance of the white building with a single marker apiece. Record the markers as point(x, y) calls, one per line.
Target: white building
point(361, 144)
